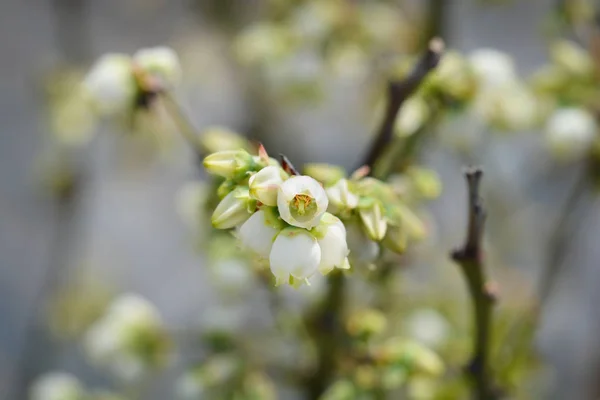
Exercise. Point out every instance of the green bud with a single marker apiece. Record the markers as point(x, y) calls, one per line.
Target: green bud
point(413, 355)
point(373, 221)
point(229, 163)
point(426, 182)
point(216, 139)
point(396, 239)
point(402, 216)
point(572, 58)
point(325, 173)
point(233, 210)
point(340, 390)
point(366, 323)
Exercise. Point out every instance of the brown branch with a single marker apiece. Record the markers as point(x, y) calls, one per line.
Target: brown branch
point(398, 92)
point(470, 259)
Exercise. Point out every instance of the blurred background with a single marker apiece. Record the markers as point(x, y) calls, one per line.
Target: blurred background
point(119, 226)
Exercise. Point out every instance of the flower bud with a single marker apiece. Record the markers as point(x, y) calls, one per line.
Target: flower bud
point(295, 254)
point(572, 58)
point(264, 184)
point(366, 323)
point(110, 84)
point(492, 68)
point(373, 220)
point(216, 138)
point(331, 236)
point(396, 239)
point(259, 231)
point(412, 354)
point(341, 390)
point(327, 174)
point(570, 132)
point(228, 163)
point(301, 201)
point(161, 63)
point(412, 116)
point(404, 217)
point(340, 196)
point(232, 210)
point(56, 386)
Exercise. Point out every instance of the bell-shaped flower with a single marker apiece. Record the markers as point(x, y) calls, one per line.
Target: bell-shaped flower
point(340, 196)
point(110, 85)
point(264, 185)
point(56, 386)
point(228, 163)
point(295, 255)
point(233, 210)
point(570, 132)
point(259, 231)
point(160, 62)
point(374, 222)
point(301, 201)
point(331, 236)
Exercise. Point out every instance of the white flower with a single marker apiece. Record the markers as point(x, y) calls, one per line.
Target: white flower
point(341, 197)
point(570, 132)
point(492, 67)
point(232, 210)
point(301, 201)
point(265, 184)
point(258, 233)
point(161, 62)
point(332, 241)
point(110, 84)
point(56, 386)
point(511, 107)
point(296, 254)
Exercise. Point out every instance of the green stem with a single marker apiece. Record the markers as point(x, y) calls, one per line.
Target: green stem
point(185, 127)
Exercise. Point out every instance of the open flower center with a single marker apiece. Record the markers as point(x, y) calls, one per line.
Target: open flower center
point(303, 207)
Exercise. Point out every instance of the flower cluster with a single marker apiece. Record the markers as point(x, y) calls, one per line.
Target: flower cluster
point(568, 88)
point(130, 338)
point(119, 83)
point(374, 213)
point(59, 385)
point(280, 216)
point(308, 42)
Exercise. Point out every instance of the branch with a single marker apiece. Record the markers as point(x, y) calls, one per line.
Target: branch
point(398, 92)
point(470, 259)
point(185, 127)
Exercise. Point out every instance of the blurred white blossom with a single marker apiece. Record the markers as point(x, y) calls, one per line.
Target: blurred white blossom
point(570, 132)
point(57, 386)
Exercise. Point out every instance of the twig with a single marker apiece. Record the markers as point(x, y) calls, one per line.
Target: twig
point(398, 92)
point(470, 259)
point(558, 242)
point(185, 127)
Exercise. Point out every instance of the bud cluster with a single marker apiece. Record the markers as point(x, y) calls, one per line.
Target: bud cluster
point(279, 216)
point(374, 214)
point(130, 339)
point(119, 83)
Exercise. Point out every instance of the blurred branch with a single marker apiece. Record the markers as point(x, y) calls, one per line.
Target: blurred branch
point(327, 328)
point(182, 121)
point(470, 259)
point(398, 92)
point(558, 243)
point(35, 343)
